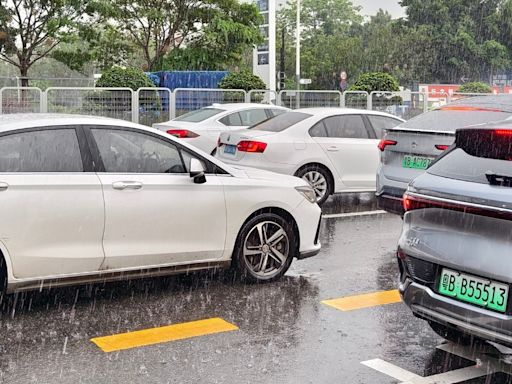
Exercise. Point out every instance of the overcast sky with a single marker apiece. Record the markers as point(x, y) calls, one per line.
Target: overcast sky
point(370, 7)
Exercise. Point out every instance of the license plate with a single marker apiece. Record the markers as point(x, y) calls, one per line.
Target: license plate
point(474, 290)
point(230, 149)
point(416, 162)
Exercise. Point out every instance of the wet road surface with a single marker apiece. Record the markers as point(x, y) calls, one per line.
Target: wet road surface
point(285, 334)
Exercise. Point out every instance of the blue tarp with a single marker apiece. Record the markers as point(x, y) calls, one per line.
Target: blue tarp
point(188, 101)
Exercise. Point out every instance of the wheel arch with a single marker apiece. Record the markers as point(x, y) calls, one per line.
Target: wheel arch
point(330, 173)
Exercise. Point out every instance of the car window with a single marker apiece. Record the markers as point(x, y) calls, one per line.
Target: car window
point(253, 116)
point(232, 120)
point(346, 126)
point(381, 123)
point(276, 112)
point(124, 151)
point(318, 130)
point(281, 122)
point(199, 115)
point(52, 150)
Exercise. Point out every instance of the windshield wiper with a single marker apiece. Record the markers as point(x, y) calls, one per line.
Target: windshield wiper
point(499, 180)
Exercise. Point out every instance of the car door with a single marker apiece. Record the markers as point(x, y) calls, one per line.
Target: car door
point(51, 202)
point(352, 149)
point(155, 214)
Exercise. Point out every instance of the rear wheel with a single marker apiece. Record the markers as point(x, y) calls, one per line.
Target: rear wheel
point(3, 277)
point(452, 334)
point(265, 248)
point(319, 179)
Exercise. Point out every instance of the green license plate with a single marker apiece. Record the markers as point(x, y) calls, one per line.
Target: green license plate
point(416, 162)
point(474, 290)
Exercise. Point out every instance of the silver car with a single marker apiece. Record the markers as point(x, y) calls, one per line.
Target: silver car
point(407, 150)
point(455, 249)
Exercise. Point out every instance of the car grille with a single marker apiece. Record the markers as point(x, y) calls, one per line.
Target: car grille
point(421, 270)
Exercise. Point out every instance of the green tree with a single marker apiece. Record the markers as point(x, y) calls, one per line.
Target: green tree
point(242, 80)
point(31, 29)
point(475, 87)
point(133, 78)
point(157, 27)
point(376, 81)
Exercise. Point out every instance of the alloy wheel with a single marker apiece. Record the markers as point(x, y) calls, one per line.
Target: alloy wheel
point(317, 182)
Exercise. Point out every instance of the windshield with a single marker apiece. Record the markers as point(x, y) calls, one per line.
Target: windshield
point(199, 115)
point(281, 122)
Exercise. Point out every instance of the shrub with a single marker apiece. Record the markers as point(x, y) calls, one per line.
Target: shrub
point(376, 81)
point(133, 78)
point(242, 80)
point(475, 87)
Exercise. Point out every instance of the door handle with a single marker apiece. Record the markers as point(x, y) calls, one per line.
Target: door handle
point(3, 186)
point(332, 148)
point(122, 185)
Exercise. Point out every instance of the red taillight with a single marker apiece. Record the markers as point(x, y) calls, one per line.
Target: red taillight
point(442, 147)
point(251, 146)
point(503, 132)
point(182, 133)
point(411, 203)
point(384, 143)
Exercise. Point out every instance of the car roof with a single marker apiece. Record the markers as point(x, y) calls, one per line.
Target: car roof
point(502, 102)
point(33, 120)
point(237, 106)
point(326, 111)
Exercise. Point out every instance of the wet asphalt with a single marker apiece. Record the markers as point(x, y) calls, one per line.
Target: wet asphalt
point(286, 335)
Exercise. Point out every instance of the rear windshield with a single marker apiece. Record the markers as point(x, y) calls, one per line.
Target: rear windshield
point(461, 166)
point(450, 120)
point(281, 122)
point(199, 115)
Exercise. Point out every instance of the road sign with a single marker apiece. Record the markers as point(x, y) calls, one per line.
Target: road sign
point(305, 81)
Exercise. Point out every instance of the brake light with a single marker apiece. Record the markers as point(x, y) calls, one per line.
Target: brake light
point(442, 147)
point(503, 132)
point(465, 108)
point(411, 203)
point(182, 133)
point(251, 146)
point(384, 143)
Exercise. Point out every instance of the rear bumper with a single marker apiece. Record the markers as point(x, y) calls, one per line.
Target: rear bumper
point(430, 306)
point(390, 200)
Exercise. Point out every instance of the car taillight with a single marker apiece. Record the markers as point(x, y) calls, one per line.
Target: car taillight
point(412, 202)
point(442, 147)
point(251, 146)
point(384, 143)
point(182, 133)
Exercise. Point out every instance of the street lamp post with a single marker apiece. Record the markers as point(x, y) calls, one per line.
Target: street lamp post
point(297, 56)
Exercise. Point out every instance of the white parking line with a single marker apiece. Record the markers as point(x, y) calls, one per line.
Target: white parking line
point(390, 370)
point(353, 214)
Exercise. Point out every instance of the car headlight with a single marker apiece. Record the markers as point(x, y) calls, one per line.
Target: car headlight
point(307, 192)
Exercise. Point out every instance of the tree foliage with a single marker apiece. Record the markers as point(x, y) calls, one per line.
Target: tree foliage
point(133, 78)
point(475, 87)
point(242, 80)
point(375, 81)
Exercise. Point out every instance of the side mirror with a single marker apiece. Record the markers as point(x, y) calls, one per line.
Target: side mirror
point(197, 171)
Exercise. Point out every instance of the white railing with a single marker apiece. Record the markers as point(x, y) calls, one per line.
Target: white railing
point(152, 105)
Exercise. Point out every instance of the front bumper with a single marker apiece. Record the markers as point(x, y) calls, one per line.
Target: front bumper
point(308, 217)
point(428, 305)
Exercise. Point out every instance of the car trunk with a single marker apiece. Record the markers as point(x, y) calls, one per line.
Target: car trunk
point(228, 141)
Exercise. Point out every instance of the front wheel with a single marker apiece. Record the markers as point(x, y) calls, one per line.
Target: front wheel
point(318, 178)
point(265, 248)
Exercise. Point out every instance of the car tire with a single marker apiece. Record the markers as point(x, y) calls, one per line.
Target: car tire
point(452, 334)
point(3, 277)
point(264, 249)
point(319, 179)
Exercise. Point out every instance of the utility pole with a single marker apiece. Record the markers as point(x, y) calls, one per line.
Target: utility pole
point(297, 56)
point(282, 63)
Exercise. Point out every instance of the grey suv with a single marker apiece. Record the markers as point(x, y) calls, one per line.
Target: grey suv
point(407, 150)
point(455, 249)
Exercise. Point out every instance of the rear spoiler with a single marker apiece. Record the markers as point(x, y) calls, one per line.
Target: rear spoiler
point(409, 130)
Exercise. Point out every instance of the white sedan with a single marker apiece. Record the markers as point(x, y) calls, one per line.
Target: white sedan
point(202, 127)
point(333, 149)
point(88, 199)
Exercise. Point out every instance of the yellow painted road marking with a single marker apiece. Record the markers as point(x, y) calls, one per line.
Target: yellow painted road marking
point(163, 334)
point(367, 300)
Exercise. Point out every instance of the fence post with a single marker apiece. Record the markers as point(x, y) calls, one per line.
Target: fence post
point(369, 101)
point(44, 101)
point(172, 105)
point(425, 102)
point(135, 106)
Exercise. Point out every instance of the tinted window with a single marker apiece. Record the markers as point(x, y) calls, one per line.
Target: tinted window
point(462, 166)
point(133, 152)
point(449, 120)
point(346, 126)
point(281, 122)
point(54, 150)
point(276, 112)
point(253, 116)
point(232, 120)
point(318, 130)
point(199, 115)
point(381, 123)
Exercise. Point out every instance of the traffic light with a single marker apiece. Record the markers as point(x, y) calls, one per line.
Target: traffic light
point(282, 77)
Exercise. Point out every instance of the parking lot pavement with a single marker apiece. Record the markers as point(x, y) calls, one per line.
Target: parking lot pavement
point(334, 318)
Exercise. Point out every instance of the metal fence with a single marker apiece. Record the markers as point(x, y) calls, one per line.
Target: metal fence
point(153, 105)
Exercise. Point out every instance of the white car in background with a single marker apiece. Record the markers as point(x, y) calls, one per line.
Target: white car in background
point(201, 128)
point(87, 199)
point(333, 149)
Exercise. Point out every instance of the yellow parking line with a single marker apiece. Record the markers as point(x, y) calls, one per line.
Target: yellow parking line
point(163, 334)
point(366, 300)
